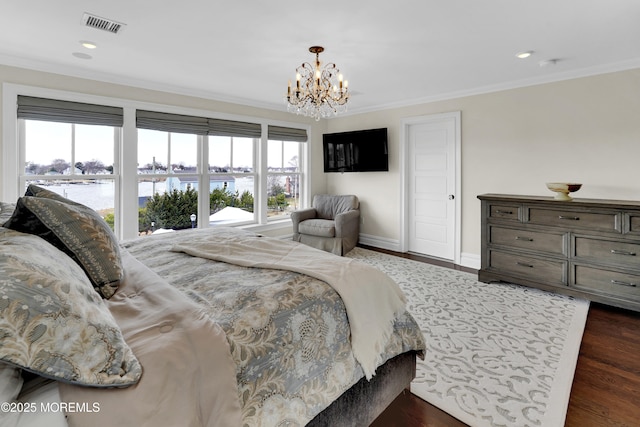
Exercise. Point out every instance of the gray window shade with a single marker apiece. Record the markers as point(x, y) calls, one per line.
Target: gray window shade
point(279, 133)
point(168, 122)
point(54, 110)
point(219, 127)
point(195, 125)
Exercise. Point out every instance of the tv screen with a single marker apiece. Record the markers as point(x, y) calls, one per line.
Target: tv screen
point(356, 151)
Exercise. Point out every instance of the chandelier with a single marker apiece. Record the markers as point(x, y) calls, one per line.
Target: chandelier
point(319, 92)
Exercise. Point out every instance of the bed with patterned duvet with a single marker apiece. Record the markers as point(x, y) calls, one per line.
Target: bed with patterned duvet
point(205, 327)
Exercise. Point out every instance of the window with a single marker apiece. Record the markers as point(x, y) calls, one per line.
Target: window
point(232, 171)
point(95, 155)
point(283, 177)
point(178, 185)
point(285, 154)
point(167, 180)
point(69, 155)
point(232, 179)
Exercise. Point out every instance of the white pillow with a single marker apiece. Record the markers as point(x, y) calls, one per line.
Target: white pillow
point(10, 382)
point(6, 210)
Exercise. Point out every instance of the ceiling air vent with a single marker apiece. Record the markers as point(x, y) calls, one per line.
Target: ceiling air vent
point(109, 25)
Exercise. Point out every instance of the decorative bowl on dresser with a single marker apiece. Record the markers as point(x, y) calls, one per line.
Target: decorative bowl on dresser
point(562, 189)
point(587, 248)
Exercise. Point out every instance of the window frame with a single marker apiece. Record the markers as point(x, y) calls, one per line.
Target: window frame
point(23, 177)
point(208, 175)
point(282, 173)
point(169, 173)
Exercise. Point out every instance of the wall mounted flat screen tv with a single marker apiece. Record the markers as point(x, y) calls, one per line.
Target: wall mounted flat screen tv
point(356, 151)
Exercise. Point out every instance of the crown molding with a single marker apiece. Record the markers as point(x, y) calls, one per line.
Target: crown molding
point(48, 67)
point(516, 84)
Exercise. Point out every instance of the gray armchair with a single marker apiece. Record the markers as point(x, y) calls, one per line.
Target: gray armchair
point(331, 224)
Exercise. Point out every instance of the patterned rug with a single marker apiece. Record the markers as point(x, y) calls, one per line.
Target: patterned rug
point(497, 354)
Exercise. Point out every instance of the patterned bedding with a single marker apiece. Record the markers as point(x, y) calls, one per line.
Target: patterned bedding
point(288, 333)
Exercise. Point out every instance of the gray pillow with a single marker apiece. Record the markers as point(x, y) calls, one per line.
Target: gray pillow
point(74, 229)
point(52, 323)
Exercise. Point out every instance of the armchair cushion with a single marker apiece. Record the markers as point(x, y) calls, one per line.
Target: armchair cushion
point(318, 227)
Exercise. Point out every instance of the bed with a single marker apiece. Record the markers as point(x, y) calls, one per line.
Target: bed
point(205, 327)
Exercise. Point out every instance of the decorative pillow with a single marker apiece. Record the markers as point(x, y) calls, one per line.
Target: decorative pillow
point(10, 382)
point(74, 229)
point(6, 210)
point(52, 323)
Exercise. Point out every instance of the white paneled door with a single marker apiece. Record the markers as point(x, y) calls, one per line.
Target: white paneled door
point(431, 186)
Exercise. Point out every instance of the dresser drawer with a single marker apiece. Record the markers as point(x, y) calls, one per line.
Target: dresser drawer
point(634, 223)
point(575, 219)
point(624, 253)
point(532, 268)
point(531, 240)
point(606, 282)
point(504, 211)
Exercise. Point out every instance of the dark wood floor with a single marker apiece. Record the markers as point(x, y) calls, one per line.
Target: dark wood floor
point(606, 385)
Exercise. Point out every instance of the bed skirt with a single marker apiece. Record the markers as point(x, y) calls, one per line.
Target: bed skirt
point(366, 400)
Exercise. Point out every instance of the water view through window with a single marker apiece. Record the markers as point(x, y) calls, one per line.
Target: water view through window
point(73, 160)
point(77, 162)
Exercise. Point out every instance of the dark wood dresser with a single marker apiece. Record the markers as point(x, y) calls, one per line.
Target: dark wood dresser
point(585, 247)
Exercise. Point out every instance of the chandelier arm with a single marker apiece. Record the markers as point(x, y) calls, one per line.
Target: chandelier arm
point(319, 91)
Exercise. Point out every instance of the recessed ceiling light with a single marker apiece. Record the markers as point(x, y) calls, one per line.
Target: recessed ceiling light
point(548, 62)
point(88, 44)
point(523, 55)
point(81, 55)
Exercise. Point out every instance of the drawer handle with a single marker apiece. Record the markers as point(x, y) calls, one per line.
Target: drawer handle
point(524, 264)
point(621, 283)
point(619, 252)
point(572, 218)
point(498, 211)
point(526, 239)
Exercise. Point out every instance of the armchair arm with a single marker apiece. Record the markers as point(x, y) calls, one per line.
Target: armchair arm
point(348, 224)
point(301, 215)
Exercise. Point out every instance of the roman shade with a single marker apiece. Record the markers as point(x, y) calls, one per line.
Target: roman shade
point(281, 133)
point(55, 110)
point(219, 127)
point(169, 122)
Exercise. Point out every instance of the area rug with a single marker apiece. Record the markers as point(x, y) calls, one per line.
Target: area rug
point(497, 354)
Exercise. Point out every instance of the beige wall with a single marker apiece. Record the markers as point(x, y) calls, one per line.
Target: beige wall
point(583, 130)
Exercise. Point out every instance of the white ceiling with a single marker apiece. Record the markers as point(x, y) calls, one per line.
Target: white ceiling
point(392, 52)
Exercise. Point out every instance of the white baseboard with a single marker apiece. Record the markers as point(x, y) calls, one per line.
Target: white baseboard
point(466, 259)
point(379, 242)
point(470, 261)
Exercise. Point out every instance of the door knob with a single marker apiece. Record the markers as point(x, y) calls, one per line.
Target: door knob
point(451, 197)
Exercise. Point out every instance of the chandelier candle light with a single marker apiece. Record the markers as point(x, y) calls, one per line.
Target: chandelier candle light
point(319, 93)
